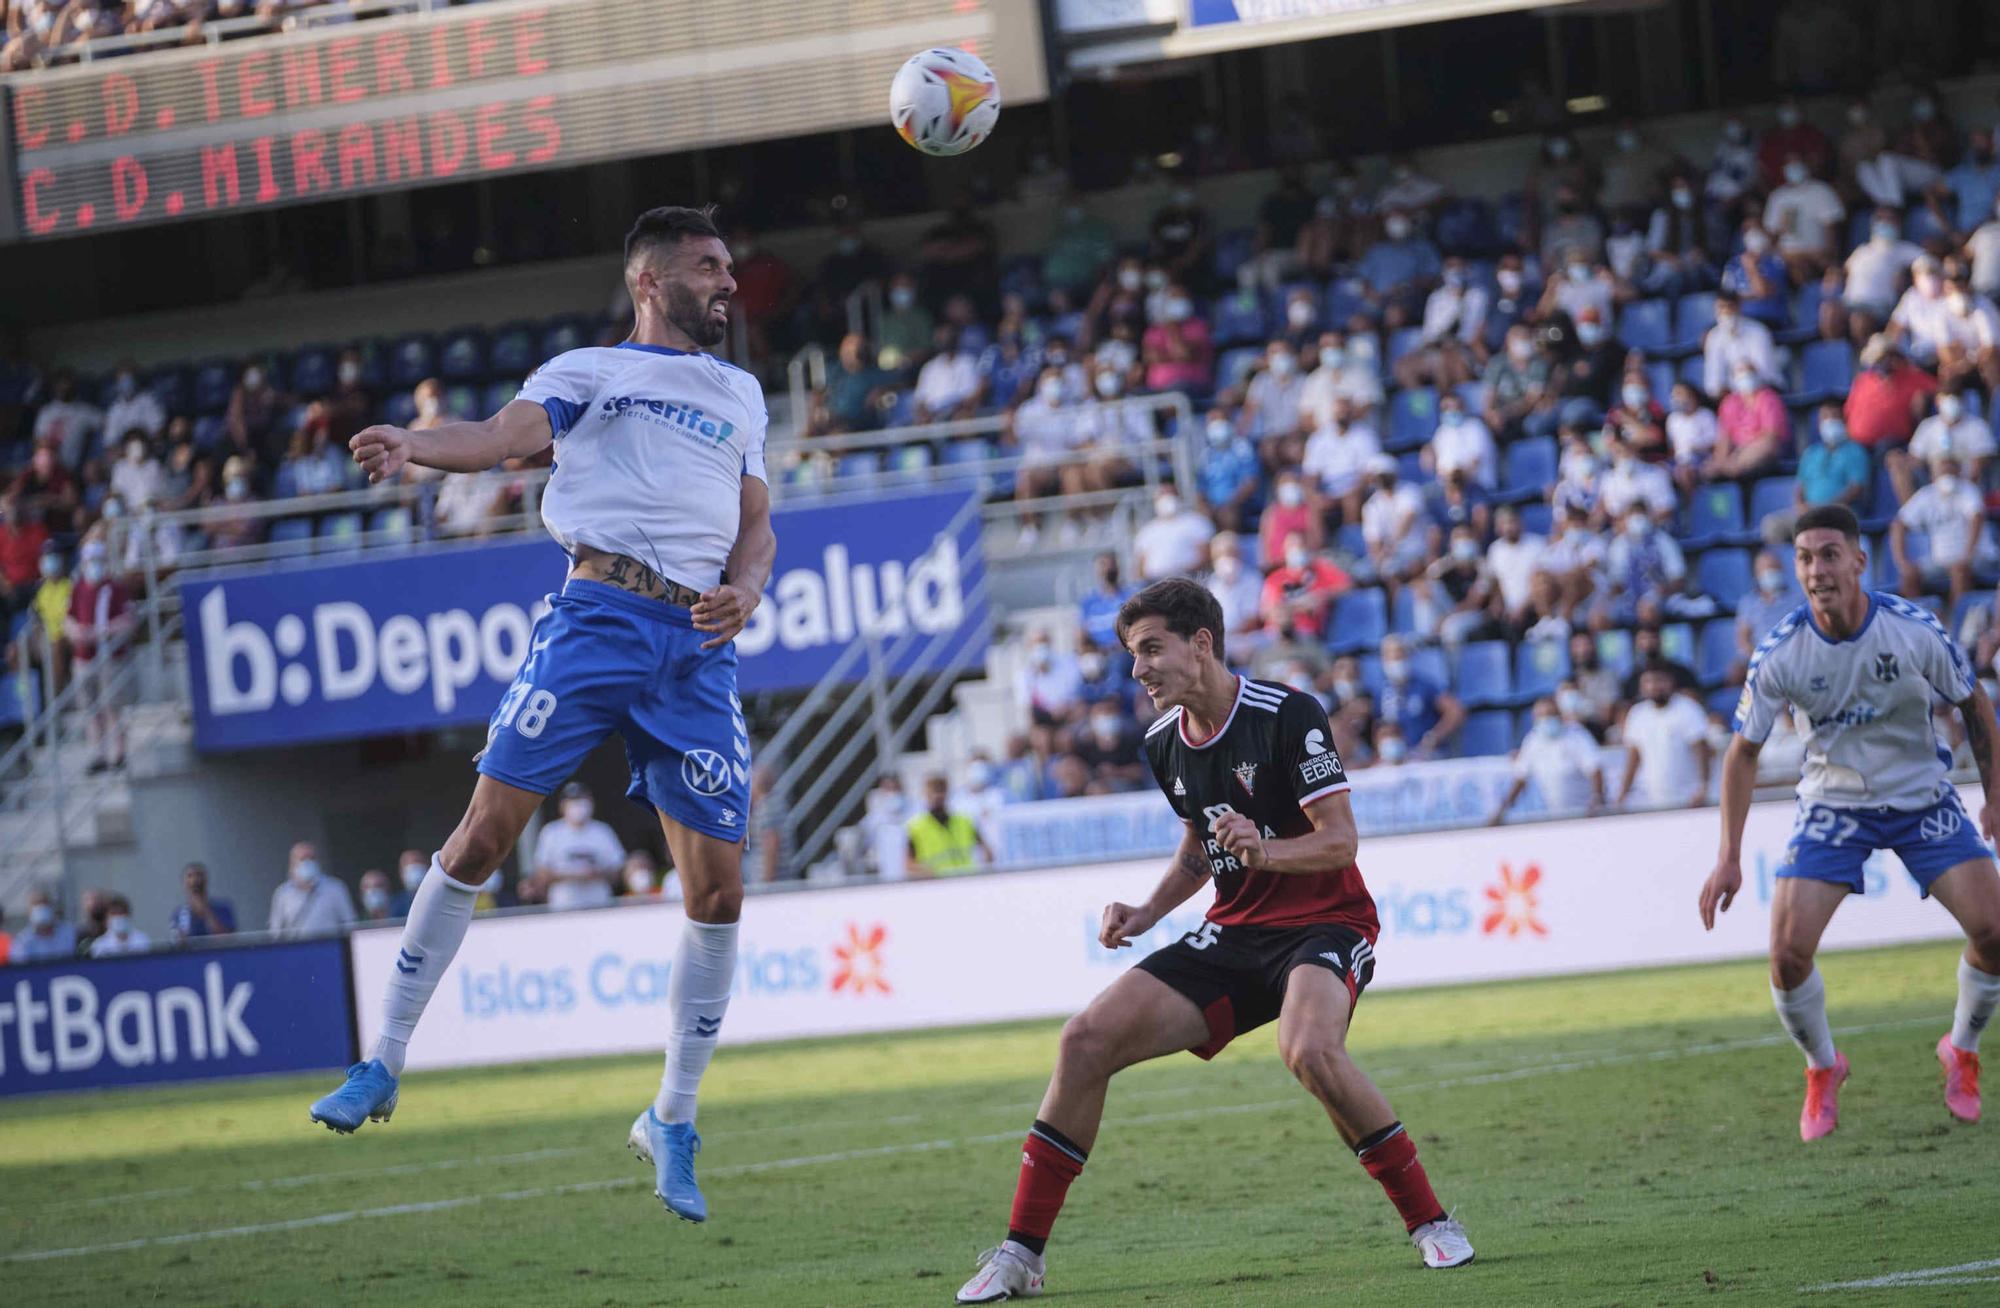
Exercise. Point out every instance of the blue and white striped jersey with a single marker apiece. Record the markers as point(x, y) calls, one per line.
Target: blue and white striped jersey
point(652, 445)
point(1862, 705)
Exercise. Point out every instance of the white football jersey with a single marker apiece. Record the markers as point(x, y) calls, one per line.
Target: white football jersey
point(652, 445)
point(1862, 706)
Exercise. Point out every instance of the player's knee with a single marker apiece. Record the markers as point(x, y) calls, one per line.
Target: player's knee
point(1085, 1047)
point(474, 850)
point(1984, 939)
point(1790, 966)
point(1311, 1058)
point(720, 903)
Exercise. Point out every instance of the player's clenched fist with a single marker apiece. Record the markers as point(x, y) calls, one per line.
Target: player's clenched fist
point(1121, 923)
point(381, 451)
point(1240, 839)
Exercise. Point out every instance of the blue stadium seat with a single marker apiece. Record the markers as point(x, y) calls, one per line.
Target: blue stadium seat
point(562, 334)
point(411, 359)
point(1233, 249)
point(394, 522)
point(1410, 468)
point(1723, 701)
point(1614, 651)
point(1967, 603)
point(1530, 470)
point(1490, 731)
point(1428, 661)
point(1826, 370)
point(213, 381)
point(495, 398)
point(1715, 515)
point(1401, 342)
point(911, 458)
point(1716, 651)
point(1466, 226)
point(1660, 380)
point(1235, 365)
point(1538, 666)
point(1473, 395)
point(974, 337)
point(1725, 575)
point(208, 432)
point(1771, 495)
point(20, 700)
point(1359, 621)
point(1350, 540)
point(1537, 518)
point(462, 402)
point(310, 372)
point(173, 387)
point(1693, 315)
point(1238, 319)
point(1691, 370)
point(1343, 300)
point(1642, 325)
point(399, 409)
point(462, 355)
point(1022, 276)
point(975, 450)
point(1413, 418)
point(1484, 677)
point(1880, 506)
point(858, 464)
point(1677, 643)
point(1403, 613)
point(284, 482)
point(286, 530)
point(340, 532)
point(513, 352)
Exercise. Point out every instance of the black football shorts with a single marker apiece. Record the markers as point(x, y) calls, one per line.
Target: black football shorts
point(1236, 974)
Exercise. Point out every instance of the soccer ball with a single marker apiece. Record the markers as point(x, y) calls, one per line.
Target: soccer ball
point(944, 101)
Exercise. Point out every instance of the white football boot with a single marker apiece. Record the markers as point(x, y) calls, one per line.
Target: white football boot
point(1442, 1243)
point(1008, 1272)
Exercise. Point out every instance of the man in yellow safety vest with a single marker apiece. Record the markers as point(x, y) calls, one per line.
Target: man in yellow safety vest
point(943, 843)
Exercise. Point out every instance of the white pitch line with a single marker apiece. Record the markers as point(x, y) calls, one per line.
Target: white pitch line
point(919, 1146)
point(1953, 1275)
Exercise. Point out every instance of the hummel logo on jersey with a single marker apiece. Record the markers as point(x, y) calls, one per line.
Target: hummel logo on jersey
point(1247, 774)
point(679, 414)
point(1179, 789)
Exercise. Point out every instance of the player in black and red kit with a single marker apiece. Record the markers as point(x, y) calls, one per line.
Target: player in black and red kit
point(1251, 769)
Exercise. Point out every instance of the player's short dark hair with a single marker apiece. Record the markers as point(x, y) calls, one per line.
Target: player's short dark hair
point(668, 225)
point(1186, 605)
point(1837, 516)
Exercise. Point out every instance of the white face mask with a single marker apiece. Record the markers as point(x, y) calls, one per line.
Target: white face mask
point(1509, 279)
point(1794, 172)
point(1041, 656)
point(1638, 527)
point(1788, 115)
point(1636, 397)
point(1131, 279)
point(1744, 383)
point(374, 899)
point(1465, 551)
point(1228, 567)
point(1549, 728)
point(1104, 728)
point(350, 372)
point(1219, 432)
point(902, 297)
point(1590, 333)
point(41, 915)
point(1396, 670)
point(1683, 198)
point(1090, 666)
point(1282, 365)
point(93, 572)
point(1109, 386)
point(1570, 702)
point(1299, 313)
point(1397, 228)
point(576, 812)
point(118, 924)
point(1332, 356)
point(1291, 494)
point(1296, 557)
point(1394, 749)
point(639, 881)
point(237, 489)
point(254, 378)
point(1755, 241)
point(1947, 482)
point(307, 871)
point(1520, 351)
point(1167, 505)
point(1050, 391)
point(413, 875)
point(1950, 407)
point(1179, 309)
point(1770, 582)
point(52, 567)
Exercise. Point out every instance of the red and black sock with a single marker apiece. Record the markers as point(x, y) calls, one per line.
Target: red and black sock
point(1390, 1156)
point(1049, 1162)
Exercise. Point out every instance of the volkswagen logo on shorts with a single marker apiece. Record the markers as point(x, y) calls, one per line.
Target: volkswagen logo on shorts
point(1940, 824)
point(705, 772)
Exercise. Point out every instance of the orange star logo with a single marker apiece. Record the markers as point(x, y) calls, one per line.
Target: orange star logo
point(967, 94)
point(1512, 904)
point(859, 965)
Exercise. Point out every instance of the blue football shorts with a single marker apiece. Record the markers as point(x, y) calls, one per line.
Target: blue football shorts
point(603, 660)
point(1831, 844)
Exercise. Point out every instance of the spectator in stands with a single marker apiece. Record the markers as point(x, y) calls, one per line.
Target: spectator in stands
point(1632, 483)
point(1648, 645)
point(47, 938)
point(1461, 443)
point(1732, 169)
point(1514, 381)
point(1174, 543)
point(1631, 172)
point(1075, 253)
point(1391, 744)
point(639, 879)
point(1571, 229)
point(1428, 715)
point(1178, 352)
point(100, 616)
point(67, 422)
point(1109, 745)
point(1733, 342)
point(1753, 431)
point(1887, 397)
point(131, 408)
point(1455, 500)
point(46, 489)
point(855, 387)
point(22, 540)
point(1050, 686)
point(1337, 458)
point(250, 424)
point(1561, 758)
point(1398, 269)
point(1298, 595)
point(1917, 321)
point(1394, 526)
point(1230, 474)
point(1757, 278)
point(199, 915)
point(308, 902)
point(1291, 510)
point(1280, 216)
point(1832, 470)
point(1097, 611)
point(1805, 214)
point(1793, 139)
point(1511, 563)
point(943, 843)
point(1637, 419)
point(1327, 240)
point(1956, 429)
point(1180, 238)
point(411, 865)
point(1679, 242)
point(1975, 182)
point(1666, 745)
point(1949, 514)
point(1454, 327)
point(959, 256)
point(1239, 589)
point(1340, 373)
point(1982, 249)
point(1574, 557)
point(1762, 607)
point(1583, 285)
point(1643, 565)
point(1271, 405)
point(906, 326)
point(1591, 693)
point(1582, 380)
point(1968, 343)
point(1453, 597)
point(138, 478)
point(948, 384)
point(376, 901)
point(578, 858)
point(1876, 273)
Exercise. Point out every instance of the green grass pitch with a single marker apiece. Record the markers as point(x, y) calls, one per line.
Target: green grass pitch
point(1626, 1139)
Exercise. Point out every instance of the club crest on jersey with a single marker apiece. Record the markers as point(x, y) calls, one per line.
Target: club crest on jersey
point(1818, 683)
point(1247, 774)
point(1885, 667)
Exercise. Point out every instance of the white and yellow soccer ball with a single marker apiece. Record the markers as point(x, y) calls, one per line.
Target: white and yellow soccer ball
point(944, 101)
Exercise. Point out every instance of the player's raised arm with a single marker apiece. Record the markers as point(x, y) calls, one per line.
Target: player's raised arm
point(517, 431)
point(1188, 873)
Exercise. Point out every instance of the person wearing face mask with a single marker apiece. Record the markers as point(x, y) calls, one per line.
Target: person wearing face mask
point(22, 540)
point(1578, 284)
point(1667, 752)
point(1239, 589)
point(1643, 565)
point(948, 385)
point(1928, 136)
point(1230, 474)
point(133, 409)
point(940, 842)
point(1337, 457)
point(1180, 237)
point(377, 904)
point(639, 880)
point(308, 902)
point(199, 913)
point(1108, 744)
point(1394, 526)
point(1047, 431)
point(1292, 509)
point(1873, 280)
point(1732, 167)
point(1886, 396)
point(1454, 323)
point(1803, 215)
point(1762, 607)
point(1454, 597)
point(1958, 429)
point(1734, 342)
point(1050, 684)
point(1638, 419)
point(1950, 515)
point(1298, 595)
point(46, 938)
point(1338, 373)
point(1271, 403)
point(349, 403)
point(907, 327)
point(1327, 239)
point(411, 866)
point(1753, 431)
point(1759, 279)
point(1178, 351)
point(1563, 762)
point(1968, 344)
point(1461, 443)
point(1792, 139)
point(579, 856)
point(1631, 482)
point(852, 263)
point(1097, 611)
point(1174, 542)
point(255, 410)
point(1920, 320)
point(1678, 241)
point(1396, 270)
point(1982, 249)
point(1392, 745)
point(1516, 380)
point(67, 421)
point(1832, 470)
point(100, 616)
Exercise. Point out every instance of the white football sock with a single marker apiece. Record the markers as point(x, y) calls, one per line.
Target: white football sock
point(697, 997)
point(1978, 992)
point(431, 937)
point(1803, 1011)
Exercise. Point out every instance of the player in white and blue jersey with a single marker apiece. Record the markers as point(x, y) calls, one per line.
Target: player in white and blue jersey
point(659, 497)
point(1859, 672)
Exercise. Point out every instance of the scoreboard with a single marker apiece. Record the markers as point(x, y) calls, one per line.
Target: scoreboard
point(469, 92)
